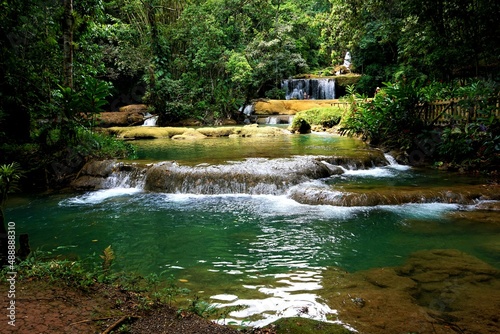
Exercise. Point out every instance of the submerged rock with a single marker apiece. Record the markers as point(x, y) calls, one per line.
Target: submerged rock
point(325, 195)
point(432, 292)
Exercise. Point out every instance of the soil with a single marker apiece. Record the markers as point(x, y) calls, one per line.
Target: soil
point(43, 307)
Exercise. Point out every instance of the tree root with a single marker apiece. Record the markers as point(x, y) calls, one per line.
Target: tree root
point(112, 326)
point(118, 322)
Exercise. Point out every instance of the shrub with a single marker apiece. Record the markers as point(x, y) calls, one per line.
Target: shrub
point(391, 118)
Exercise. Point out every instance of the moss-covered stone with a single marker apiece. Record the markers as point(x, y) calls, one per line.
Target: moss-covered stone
point(324, 117)
point(218, 131)
point(347, 79)
point(432, 292)
point(291, 107)
point(145, 132)
point(190, 134)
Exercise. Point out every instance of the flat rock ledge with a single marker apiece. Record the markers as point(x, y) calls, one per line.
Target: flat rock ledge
point(185, 133)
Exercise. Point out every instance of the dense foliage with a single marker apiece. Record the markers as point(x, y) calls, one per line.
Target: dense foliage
point(62, 62)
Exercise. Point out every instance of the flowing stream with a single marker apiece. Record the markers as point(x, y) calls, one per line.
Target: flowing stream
point(262, 240)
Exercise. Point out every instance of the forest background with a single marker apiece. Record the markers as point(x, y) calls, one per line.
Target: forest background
point(62, 62)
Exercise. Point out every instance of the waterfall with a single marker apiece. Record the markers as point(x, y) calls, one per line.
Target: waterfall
point(275, 120)
point(311, 180)
point(150, 120)
point(316, 89)
point(248, 109)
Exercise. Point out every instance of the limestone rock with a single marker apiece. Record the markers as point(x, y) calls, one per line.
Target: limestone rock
point(135, 108)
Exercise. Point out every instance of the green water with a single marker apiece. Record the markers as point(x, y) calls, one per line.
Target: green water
point(152, 232)
point(243, 246)
point(218, 150)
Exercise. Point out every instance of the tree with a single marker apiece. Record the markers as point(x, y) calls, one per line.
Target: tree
point(67, 30)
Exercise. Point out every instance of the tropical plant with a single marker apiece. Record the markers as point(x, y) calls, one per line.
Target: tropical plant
point(391, 118)
point(10, 174)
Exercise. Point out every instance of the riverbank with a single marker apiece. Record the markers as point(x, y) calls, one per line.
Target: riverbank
point(44, 306)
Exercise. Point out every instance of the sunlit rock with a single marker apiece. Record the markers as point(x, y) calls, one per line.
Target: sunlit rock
point(190, 134)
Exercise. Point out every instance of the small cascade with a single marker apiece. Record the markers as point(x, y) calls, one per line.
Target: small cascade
point(394, 164)
point(275, 120)
point(109, 174)
point(125, 176)
point(252, 176)
point(312, 180)
point(248, 109)
point(150, 120)
point(316, 89)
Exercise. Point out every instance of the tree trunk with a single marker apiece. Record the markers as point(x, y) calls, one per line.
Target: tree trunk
point(67, 27)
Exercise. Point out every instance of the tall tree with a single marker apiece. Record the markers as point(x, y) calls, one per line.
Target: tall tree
point(67, 30)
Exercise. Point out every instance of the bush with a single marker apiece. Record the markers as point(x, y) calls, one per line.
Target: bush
point(391, 118)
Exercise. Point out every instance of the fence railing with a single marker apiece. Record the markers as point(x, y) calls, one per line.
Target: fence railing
point(443, 112)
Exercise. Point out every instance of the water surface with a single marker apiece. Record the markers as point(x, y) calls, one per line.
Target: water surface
point(263, 251)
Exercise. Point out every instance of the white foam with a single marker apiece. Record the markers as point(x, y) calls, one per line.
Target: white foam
point(421, 210)
point(394, 164)
point(372, 172)
point(99, 196)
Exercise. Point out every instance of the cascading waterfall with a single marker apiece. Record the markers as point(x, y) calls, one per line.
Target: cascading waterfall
point(316, 89)
point(314, 180)
point(150, 120)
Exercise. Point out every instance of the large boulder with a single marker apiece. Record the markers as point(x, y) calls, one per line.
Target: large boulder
point(128, 115)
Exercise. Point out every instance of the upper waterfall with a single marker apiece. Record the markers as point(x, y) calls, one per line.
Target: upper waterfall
point(316, 89)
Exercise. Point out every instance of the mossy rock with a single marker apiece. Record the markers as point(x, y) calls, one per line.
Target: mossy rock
point(306, 326)
point(145, 132)
point(217, 131)
point(325, 117)
point(291, 107)
point(190, 134)
point(347, 79)
point(149, 132)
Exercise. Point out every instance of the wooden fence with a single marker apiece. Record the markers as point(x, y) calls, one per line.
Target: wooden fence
point(444, 112)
